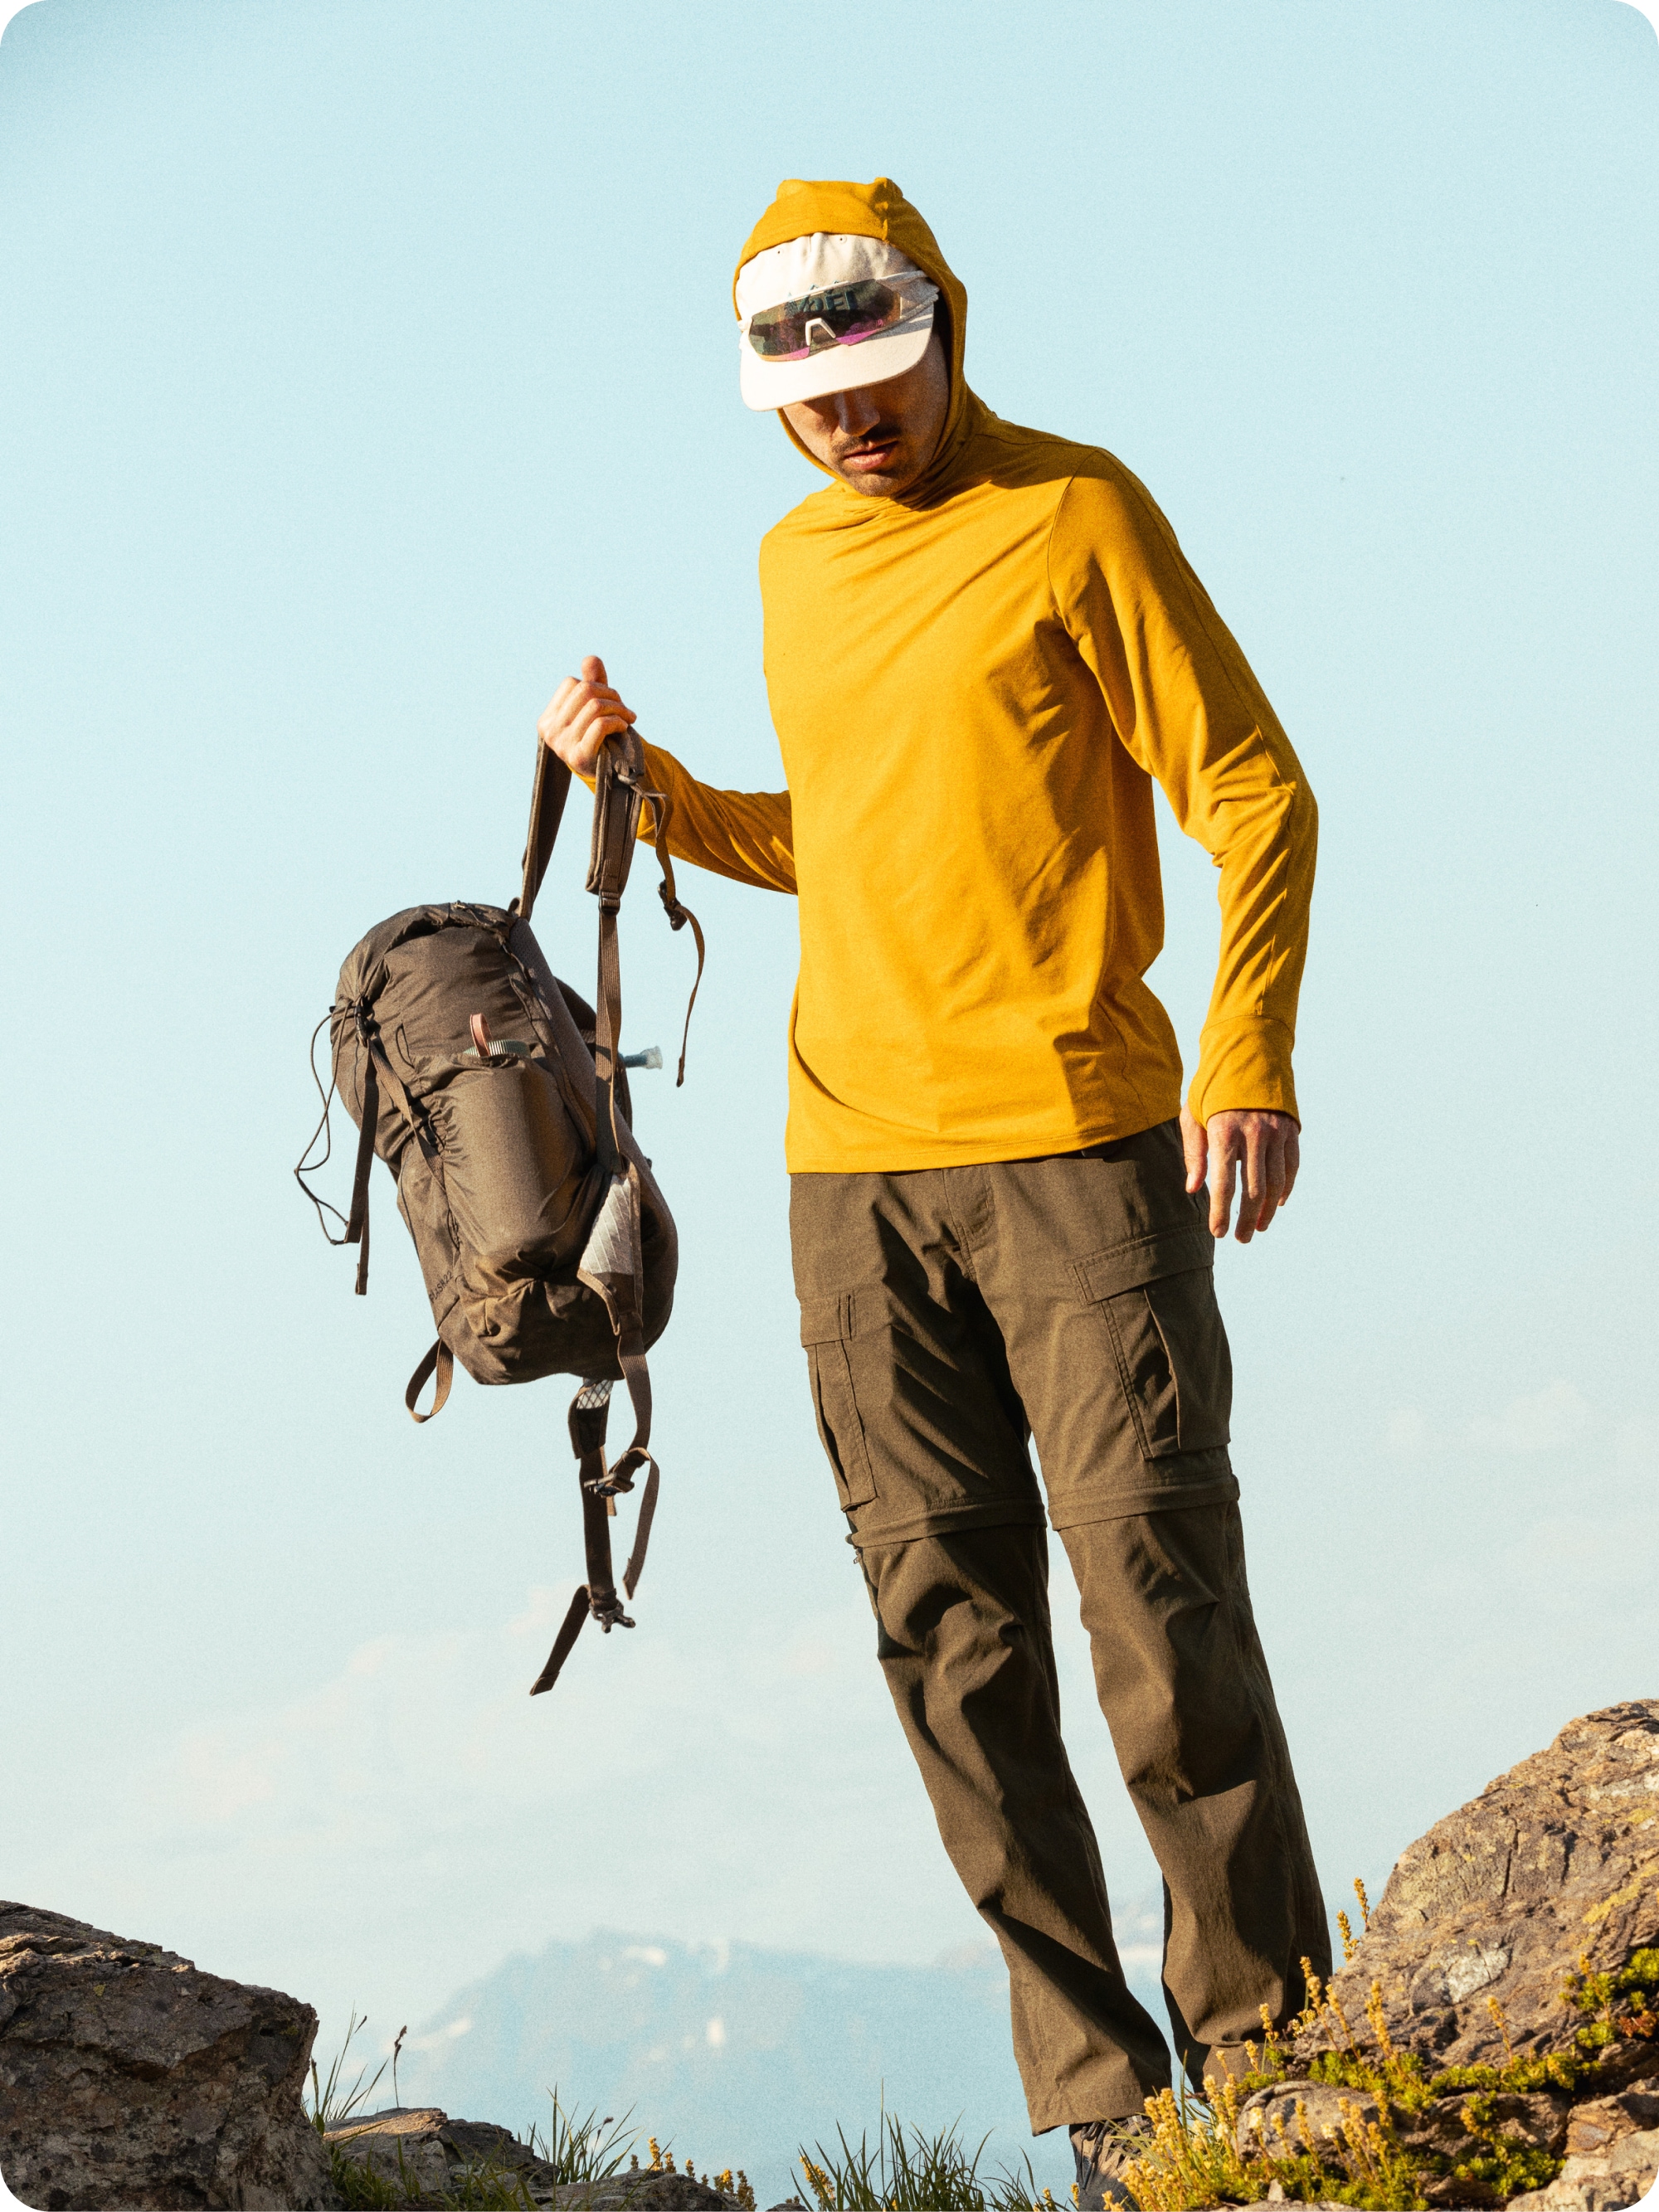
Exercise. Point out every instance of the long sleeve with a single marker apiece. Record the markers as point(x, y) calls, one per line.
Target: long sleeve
point(746, 835)
point(1188, 709)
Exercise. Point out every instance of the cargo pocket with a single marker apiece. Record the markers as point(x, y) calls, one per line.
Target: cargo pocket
point(1157, 1298)
point(825, 1326)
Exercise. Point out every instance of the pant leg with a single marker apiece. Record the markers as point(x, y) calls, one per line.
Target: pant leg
point(1184, 1684)
point(964, 1644)
point(1099, 1274)
point(926, 1439)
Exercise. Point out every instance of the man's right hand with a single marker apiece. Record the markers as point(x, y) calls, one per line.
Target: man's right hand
point(581, 714)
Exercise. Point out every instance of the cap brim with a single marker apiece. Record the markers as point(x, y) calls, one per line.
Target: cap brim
point(770, 384)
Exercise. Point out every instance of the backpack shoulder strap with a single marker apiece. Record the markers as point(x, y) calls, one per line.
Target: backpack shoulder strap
point(547, 798)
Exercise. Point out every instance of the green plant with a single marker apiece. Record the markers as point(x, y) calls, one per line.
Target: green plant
point(331, 2104)
point(1193, 2157)
point(577, 2147)
point(911, 2172)
point(485, 2184)
point(1620, 2005)
point(362, 2188)
point(1499, 2165)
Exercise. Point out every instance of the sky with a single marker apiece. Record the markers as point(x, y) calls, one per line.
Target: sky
point(361, 367)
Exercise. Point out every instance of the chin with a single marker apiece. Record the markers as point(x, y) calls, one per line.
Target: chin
point(879, 483)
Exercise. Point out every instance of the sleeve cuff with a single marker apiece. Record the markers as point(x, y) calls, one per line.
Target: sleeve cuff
point(1244, 1066)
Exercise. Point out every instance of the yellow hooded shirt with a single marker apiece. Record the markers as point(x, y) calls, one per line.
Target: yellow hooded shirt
point(973, 687)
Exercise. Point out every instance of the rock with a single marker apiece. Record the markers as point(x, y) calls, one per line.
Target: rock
point(1261, 2116)
point(639, 2189)
point(1600, 2181)
point(1599, 2121)
point(1557, 1858)
point(429, 2158)
point(404, 2145)
point(129, 2079)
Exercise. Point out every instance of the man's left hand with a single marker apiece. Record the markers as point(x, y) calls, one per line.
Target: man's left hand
point(1266, 1146)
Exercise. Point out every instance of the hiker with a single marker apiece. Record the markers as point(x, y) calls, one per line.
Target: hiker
point(981, 644)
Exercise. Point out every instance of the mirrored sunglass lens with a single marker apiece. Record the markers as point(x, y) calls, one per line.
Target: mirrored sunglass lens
point(842, 315)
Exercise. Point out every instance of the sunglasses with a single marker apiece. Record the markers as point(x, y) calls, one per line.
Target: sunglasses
point(843, 314)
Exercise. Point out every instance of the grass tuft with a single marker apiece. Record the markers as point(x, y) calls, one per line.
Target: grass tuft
point(580, 2147)
point(909, 2172)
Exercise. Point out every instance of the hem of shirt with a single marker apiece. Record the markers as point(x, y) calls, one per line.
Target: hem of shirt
point(988, 1151)
point(1223, 1491)
point(1007, 1513)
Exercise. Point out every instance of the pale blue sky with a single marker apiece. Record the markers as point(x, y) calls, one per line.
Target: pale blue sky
point(363, 366)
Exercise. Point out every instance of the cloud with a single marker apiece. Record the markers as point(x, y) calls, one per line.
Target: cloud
point(1544, 1420)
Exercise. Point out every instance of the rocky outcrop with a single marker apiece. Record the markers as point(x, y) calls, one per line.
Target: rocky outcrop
point(430, 2159)
point(1473, 1992)
point(1556, 1860)
point(424, 2153)
point(1600, 2181)
point(128, 2079)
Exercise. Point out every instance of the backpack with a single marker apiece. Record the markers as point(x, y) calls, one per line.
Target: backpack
point(499, 1101)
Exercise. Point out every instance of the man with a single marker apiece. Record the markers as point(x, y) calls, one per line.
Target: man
point(982, 643)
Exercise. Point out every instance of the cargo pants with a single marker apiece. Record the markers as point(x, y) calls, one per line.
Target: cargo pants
point(952, 1317)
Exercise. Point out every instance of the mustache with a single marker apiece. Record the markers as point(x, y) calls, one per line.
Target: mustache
point(879, 433)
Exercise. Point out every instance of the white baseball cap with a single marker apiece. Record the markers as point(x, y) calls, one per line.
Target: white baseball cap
point(827, 312)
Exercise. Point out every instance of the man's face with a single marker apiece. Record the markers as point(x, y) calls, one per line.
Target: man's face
point(879, 438)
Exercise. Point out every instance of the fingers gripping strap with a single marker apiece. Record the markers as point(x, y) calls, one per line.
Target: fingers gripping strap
point(441, 1359)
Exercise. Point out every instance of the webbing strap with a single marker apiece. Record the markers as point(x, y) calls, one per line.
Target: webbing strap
point(377, 1069)
point(636, 1566)
point(441, 1360)
point(416, 1115)
point(602, 1597)
point(630, 1354)
point(607, 1029)
point(563, 1643)
point(357, 1224)
point(620, 794)
point(598, 1594)
point(548, 795)
point(679, 915)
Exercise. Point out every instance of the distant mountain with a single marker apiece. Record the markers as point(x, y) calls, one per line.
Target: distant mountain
point(739, 2054)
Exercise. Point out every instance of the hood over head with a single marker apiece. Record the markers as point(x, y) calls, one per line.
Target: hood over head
point(805, 206)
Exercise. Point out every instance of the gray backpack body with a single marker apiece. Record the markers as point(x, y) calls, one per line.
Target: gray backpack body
point(497, 1099)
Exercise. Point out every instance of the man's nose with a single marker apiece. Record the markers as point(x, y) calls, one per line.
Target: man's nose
point(854, 411)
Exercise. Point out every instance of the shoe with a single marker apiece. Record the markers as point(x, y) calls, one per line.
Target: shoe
point(1103, 2149)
